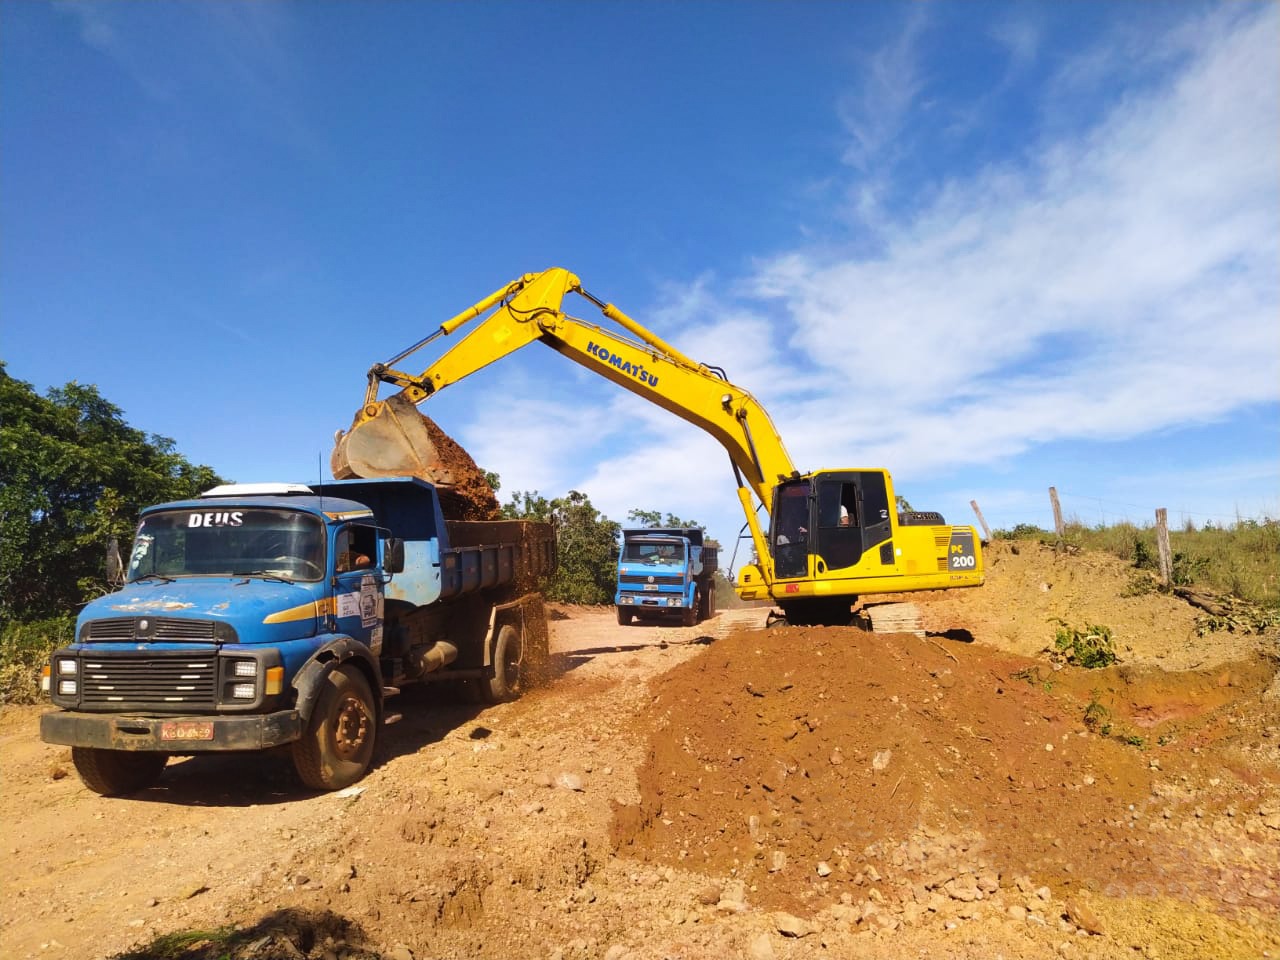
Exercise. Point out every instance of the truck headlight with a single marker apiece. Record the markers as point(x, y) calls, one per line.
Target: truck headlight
point(244, 668)
point(673, 601)
point(67, 688)
point(242, 691)
point(67, 668)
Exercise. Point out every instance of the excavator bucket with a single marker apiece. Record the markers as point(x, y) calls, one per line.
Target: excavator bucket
point(393, 443)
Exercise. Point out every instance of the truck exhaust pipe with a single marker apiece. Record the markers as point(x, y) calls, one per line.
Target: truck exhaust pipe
point(388, 439)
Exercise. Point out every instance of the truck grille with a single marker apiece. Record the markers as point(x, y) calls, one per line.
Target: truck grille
point(670, 580)
point(149, 682)
point(157, 628)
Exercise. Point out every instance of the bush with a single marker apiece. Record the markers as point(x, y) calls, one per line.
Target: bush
point(24, 650)
point(1090, 648)
point(1022, 531)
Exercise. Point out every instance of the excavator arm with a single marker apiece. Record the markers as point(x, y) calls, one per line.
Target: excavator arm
point(387, 437)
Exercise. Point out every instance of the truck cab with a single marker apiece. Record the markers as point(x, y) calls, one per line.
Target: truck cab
point(666, 573)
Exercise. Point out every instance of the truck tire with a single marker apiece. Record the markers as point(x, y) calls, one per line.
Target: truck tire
point(337, 747)
point(708, 603)
point(624, 617)
point(506, 682)
point(690, 618)
point(114, 773)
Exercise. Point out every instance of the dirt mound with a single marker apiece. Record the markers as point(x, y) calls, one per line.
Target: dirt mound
point(1031, 588)
point(828, 762)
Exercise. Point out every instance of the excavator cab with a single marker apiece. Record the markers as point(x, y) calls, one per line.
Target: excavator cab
point(835, 518)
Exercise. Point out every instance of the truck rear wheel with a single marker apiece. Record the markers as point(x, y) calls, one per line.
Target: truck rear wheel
point(624, 617)
point(506, 682)
point(690, 618)
point(113, 773)
point(337, 748)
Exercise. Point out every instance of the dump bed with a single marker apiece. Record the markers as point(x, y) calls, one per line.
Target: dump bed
point(446, 559)
point(486, 553)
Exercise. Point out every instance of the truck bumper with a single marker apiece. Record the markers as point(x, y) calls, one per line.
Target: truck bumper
point(652, 602)
point(165, 734)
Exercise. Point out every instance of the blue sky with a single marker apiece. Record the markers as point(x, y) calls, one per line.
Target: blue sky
point(991, 246)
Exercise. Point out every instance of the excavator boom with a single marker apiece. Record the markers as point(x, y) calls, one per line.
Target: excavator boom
point(387, 438)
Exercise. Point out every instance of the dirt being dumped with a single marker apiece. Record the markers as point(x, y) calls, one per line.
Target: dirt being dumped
point(469, 496)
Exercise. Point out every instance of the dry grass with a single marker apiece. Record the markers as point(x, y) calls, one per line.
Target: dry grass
point(1242, 560)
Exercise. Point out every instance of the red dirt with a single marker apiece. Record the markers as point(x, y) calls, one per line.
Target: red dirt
point(469, 497)
point(918, 762)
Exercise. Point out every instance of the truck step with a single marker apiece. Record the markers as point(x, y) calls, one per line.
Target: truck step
point(391, 718)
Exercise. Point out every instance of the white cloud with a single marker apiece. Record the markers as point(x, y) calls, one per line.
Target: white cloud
point(1122, 282)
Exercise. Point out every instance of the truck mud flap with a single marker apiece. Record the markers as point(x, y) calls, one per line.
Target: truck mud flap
point(179, 735)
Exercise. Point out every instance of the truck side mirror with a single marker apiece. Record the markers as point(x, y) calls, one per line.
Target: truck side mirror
point(393, 555)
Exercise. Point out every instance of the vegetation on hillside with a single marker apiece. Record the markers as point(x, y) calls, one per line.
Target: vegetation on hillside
point(1242, 560)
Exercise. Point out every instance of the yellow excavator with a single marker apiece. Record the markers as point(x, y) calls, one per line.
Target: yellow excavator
point(833, 535)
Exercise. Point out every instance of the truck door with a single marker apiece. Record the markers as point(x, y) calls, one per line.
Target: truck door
point(357, 585)
point(853, 518)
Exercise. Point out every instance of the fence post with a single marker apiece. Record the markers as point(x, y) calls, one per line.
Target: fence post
point(985, 529)
point(1162, 545)
point(1057, 512)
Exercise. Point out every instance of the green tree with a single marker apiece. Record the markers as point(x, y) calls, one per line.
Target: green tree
point(585, 543)
point(654, 518)
point(73, 475)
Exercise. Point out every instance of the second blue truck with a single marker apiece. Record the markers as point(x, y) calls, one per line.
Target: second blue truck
point(666, 573)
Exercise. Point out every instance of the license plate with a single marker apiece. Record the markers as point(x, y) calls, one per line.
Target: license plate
point(186, 730)
point(651, 586)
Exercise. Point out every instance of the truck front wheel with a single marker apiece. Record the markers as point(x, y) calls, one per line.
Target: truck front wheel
point(337, 748)
point(691, 614)
point(624, 616)
point(116, 772)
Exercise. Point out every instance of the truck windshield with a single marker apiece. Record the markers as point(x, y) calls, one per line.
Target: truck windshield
point(230, 542)
point(656, 553)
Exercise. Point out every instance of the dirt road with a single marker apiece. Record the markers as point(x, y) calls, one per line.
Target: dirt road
point(723, 791)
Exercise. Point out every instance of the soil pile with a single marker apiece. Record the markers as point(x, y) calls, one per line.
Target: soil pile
point(813, 764)
point(1033, 588)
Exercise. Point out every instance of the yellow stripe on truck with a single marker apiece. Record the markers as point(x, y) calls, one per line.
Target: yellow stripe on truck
point(304, 611)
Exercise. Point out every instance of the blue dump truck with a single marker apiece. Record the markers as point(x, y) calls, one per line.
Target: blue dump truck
point(666, 572)
point(262, 616)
